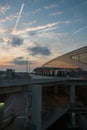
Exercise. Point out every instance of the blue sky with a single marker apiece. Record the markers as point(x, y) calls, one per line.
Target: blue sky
point(40, 30)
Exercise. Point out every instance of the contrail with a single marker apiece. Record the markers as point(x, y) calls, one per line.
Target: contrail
point(80, 30)
point(18, 18)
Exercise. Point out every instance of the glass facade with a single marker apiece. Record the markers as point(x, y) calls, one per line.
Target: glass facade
point(60, 64)
point(82, 58)
point(74, 59)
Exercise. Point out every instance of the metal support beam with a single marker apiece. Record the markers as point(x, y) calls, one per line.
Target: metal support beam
point(72, 103)
point(36, 107)
point(72, 94)
point(28, 96)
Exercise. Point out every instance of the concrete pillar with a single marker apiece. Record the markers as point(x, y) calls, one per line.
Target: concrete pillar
point(28, 104)
point(72, 94)
point(72, 103)
point(36, 107)
point(28, 96)
point(1, 114)
point(73, 119)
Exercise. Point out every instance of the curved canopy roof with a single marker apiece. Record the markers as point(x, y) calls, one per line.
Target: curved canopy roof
point(74, 59)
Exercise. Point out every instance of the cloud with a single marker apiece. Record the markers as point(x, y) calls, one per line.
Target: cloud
point(39, 50)
point(33, 33)
point(54, 35)
point(37, 28)
point(16, 41)
point(9, 18)
point(56, 13)
point(79, 30)
point(36, 11)
point(3, 9)
point(12, 16)
point(50, 6)
point(2, 40)
point(41, 27)
point(32, 12)
point(3, 30)
point(2, 20)
point(19, 58)
point(30, 23)
point(19, 61)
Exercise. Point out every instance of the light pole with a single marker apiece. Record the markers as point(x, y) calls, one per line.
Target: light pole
point(27, 65)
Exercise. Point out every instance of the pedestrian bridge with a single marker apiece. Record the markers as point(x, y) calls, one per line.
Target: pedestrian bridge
point(14, 85)
point(42, 109)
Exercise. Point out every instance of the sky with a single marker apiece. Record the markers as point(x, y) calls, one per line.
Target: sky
point(36, 31)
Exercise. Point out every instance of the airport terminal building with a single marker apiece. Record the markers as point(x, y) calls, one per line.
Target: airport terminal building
point(74, 60)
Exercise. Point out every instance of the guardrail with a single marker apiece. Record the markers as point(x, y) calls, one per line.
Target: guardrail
point(9, 84)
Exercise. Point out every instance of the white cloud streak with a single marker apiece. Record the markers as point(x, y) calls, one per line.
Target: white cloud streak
point(56, 13)
point(50, 6)
point(30, 23)
point(79, 30)
point(2, 30)
point(38, 28)
point(41, 27)
point(11, 17)
point(36, 11)
point(3, 9)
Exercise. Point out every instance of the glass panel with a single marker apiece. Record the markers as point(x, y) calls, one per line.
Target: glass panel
point(82, 58)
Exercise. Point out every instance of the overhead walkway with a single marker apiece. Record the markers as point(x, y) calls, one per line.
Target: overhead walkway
point(33, 89)
point(16, 85)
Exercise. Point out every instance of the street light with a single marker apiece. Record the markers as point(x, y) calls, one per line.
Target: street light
point(27, 65)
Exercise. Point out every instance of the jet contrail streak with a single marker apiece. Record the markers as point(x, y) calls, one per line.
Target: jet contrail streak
point(18, 18)
point(80, 30)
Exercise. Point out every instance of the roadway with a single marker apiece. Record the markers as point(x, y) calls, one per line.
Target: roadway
point(54, 109)
point(16, 101)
